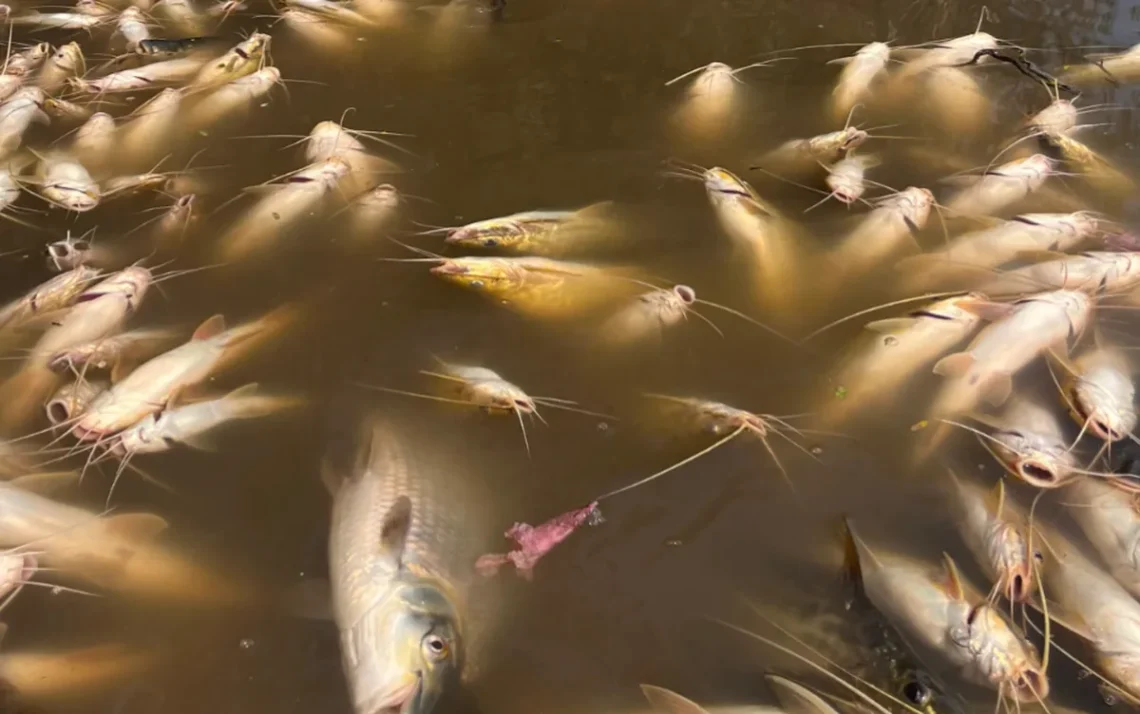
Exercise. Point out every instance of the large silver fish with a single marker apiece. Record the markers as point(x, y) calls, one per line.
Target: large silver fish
point(398, 565)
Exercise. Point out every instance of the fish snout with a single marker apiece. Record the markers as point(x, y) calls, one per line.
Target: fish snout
point(1040, 472)
point(449, 268)
point(1031, 685)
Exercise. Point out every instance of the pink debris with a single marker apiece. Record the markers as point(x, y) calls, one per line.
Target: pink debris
point(536, 541)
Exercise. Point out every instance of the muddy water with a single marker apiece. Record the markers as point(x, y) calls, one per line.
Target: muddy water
point(560, 105)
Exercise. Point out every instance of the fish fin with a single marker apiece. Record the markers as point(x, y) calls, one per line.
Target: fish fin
point(998, 389)
point(852, 567)
point(995, 499)
point(1040, 256)
point(246, 390)
point(992, 311)
point(212, 327)
point(394, 532)
point(795, 698)
point(310, 599)
point(841, 60)
point(890, 325)
point(201, 442)
point(952, 584)
point(665, 701)
point(45, 484)
point(137, 526)
point(594, 208)
point(954, 365)
point(329, 476)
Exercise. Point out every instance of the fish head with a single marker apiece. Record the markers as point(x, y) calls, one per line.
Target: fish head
point(1003, 656)
point(256, 45)
point(131, 283)
point(720, 419)
point(68, 254)
point(497, 394)
point(1037, 167)
point(414, 652)
point(69, 57)
point(916, 203)
point(1011, 558)
point(1082, 224)
point(73, 398)
point(492, 233)
point(850, 138)
point(39, 52)
point(131, 14)
point(721, 184)
point(1106, 415)
point(878, 51)
point(327, 138)
point(493, 276)
point(1034, 458)
point(16, 568)
point(669, 306)
point(1077, 306)
point(72, 195)
point(144, 437)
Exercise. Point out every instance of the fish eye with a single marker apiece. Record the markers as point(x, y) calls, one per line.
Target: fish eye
point(490, 242)
point(917, 693)
point(436, 648)
point(81, 245)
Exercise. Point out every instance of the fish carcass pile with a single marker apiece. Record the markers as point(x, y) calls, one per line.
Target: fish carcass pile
point(1001, 275)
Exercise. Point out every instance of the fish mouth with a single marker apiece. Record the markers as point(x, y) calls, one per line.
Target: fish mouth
point(1104, 431)
point(1038, 472)
point(58, 411)
point(1018, 590)
point(1031, 686)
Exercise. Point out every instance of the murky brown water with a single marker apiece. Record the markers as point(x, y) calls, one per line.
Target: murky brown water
point(559, 105)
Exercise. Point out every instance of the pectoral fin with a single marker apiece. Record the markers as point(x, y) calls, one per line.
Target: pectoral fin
point(891, 325)
point(951, 583)
point(795, 698)
point(954, 365)
point(665, 701)
point(394, 533)
point(45, 484)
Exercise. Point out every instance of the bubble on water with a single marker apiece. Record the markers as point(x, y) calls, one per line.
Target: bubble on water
point(817, 450)
point(246, 643)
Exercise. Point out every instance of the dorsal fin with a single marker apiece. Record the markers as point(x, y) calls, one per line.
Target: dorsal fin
point(665, 701)
point(212, 327)
point(394, 532)
point(951, 584)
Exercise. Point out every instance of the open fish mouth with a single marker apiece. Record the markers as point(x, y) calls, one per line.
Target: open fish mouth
point(1031, 686)
point(1040, 472)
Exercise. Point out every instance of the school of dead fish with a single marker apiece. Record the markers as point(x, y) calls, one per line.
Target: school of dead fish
point(1001, 288)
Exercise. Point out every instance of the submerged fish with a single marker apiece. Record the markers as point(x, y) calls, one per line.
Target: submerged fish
point(998, 539)
point(1021, 331)
point(1093, 272)
point(999, 188)
point(897, 348)
point(546, 233)
point(1027, 439)
point(860, 73)
point(1110, 520)
point(399, 582)
point(935, 615)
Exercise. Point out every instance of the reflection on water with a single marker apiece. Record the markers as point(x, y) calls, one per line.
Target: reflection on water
point(558, 106)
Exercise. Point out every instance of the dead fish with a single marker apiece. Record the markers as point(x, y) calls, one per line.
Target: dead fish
point(94, 141)
point(158, 382)
point(1091, 272)
point(113, 552)
point(998, 540)
point(25, 106)
point(545, 233)
point(1100, 393)
point(859, 75)
point(109, 352)
point(799, 156)
point(1058, 119)
point(954, 99)
point(25, 61)
point(1098, 171)
point(183, 15)
point(155, 75)
point(934, 614)
point(284, 204)
point(373, 211)
point(46, 674)
point(1020, 332)
point(66, 183)
point(976, 252)
point(947, 53)
point(74, 251)
point(64, 110)
point(72, 399)
point(996, 189)
point(132, 27)
point(895, 351)
point(399, 588)
point(65, 63)
point(234, 96)
point(540, 288)
point(1027, 439)
point(49, 297)
point(191, 424)
point(1111, 521)
point(712, 97)
point(648, 315)
point(334, 12)
point(145, 135)
point(244, 58)
point(100, 311)
point(845, 177)
point(1106, 69)
point(1089, 602)
point(58, 20)
point(890, 228)
point(774, 249)
point(534, 542)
